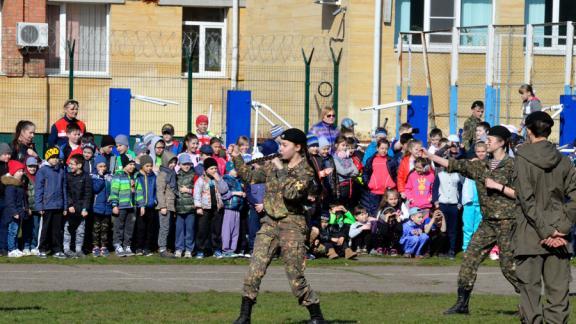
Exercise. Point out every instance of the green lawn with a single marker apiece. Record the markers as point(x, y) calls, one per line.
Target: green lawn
point(363, 261)
point(212, 307)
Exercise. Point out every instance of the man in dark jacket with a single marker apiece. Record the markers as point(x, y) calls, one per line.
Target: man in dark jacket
point(544, 179)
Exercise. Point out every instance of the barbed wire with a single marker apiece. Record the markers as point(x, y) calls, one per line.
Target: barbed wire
point(266, 49)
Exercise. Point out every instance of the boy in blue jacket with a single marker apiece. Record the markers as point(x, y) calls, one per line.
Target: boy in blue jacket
point(146, 203)
point(102, 208)
point(51, 200)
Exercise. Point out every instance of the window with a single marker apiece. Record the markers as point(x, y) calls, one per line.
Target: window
point(443, 15)
point(85, 24)
point(549, 11)
point(204, 33)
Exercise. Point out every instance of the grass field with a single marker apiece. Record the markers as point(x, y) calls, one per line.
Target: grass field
point(212, 307)
point(152, 260)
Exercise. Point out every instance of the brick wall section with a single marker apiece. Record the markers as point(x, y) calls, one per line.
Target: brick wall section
point(15, 61)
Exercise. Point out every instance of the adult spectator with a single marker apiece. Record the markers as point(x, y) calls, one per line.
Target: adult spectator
point(326, 128)
point(58, 131)
point(22, 144)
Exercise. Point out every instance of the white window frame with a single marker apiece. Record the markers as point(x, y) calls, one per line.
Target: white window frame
point(554, 48)
point(201, 47)
point(447, 48)
point(64, 52)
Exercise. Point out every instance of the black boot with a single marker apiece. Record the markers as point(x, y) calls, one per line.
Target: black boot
point(461, 306)
point(315, 314)
point(245, 311)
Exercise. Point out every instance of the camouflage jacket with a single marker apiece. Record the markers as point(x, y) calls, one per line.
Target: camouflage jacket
point(494, 204)
point(286, 190)
point(469, 131)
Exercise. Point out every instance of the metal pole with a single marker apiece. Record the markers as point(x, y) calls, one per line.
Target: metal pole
point(454, 81)
point(189, 102)
point(336, 61)
point(376, 62)
point(568, 58)
point(235, 23)
point(307, 62)
point(71, 46)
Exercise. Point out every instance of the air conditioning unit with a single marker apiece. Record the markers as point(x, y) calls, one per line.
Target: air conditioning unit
point(32, 35)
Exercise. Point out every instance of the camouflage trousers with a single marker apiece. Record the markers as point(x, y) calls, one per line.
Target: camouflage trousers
point(489, 232)
point(289, 234)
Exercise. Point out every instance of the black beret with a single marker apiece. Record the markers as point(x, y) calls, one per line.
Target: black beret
point(500, 131)
point(539, 116)
point(295, 136)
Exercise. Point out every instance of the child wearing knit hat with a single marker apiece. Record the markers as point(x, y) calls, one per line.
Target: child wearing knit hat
point(51, 201)
point(208, 192)
point(15, 211)
point(31, 226)
point(204, 135)
point(102, 208)
point(233, 203)
point(122, 200)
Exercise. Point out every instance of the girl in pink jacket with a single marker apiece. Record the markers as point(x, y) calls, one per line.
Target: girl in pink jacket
point(419, 185)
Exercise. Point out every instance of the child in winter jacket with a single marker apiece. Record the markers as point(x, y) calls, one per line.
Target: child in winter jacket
point(413, 237)
point(208, 192)
point(419, 185)
point(360, 232)
point(413, 151)
point(50, 197)
point(233, 202)
point(386, 232)
point(16, 205)
point(102, 208)
point(339, 228)
point(31, 225)
point(446, 196)
point(392, 199)
point(122, 196)
point(472, 214)
point(166, 190)
point(79, 186)
point(185, 212)
point(146, 203)
point(379, 175)
point(346, 170)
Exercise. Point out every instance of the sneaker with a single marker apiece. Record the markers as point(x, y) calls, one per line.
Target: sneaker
point(247, 255)
point(218, 254)
point(34, 252)
point(310, 256)
point(147, 253)
point(200, 255)
point(178, 254)
point(451, 255)
point(393, 252)
point(104, 252)
point(69, 254)
point(42, 255)
point(26, 252)
point(59, 255)
point(139, 252)
point(15, 254)
point(128, 252)
point(80, 255)
point(188, 255)
point(494, 256)
point(96, 252)
point(120, 252)
point(373, 252)
point(166, 254)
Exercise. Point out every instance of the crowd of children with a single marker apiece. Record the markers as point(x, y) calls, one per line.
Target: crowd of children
point(185, 199)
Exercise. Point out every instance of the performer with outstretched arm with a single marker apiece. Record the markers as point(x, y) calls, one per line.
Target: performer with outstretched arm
point(289, 181)
point(494, 178)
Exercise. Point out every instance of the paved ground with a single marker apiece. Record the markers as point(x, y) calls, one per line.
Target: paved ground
point(195, 278)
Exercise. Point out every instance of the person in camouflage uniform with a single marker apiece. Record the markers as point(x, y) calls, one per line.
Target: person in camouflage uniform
point(288, 184)
point(469, 131)
point(494, 180)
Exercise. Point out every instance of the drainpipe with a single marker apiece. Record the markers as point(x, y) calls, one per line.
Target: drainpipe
point(377, 61)
point(235, 24)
